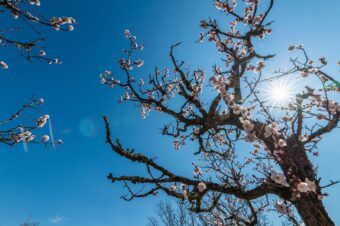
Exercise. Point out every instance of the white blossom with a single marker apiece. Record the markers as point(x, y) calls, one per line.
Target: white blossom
point(3, 65)
point(303, 187)
point(41, 101)
point(139, 63)
point(35, 2)
point(201, 187)
point(127, 34)
point(42, 53)
point(271, 129)
point(45, 138)
point(311, 185)
point(127, 96)
point(42, 121)
point(173, 187)
point(279, 178)
point(237, 109)
point(307, 186)
point(247, 125)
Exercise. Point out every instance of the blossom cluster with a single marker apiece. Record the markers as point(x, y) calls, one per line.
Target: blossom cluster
point(145, 109)
point(219, 82)
point(108, 79)
point(25, 136)
point(24, 10)
point(230, 41)
point(272, 132)
point(58, 22)
point(55, 22)
point(24, 133)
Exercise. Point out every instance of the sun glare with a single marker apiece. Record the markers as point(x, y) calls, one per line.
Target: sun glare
point(279, 93)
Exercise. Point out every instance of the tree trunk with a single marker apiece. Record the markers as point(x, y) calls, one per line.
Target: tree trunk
point(310, 208)
point(312, 212)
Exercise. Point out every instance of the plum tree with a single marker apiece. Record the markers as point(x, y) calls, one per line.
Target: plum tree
point(282, 130)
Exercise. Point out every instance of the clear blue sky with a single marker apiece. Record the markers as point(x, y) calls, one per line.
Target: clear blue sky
point(70, 181)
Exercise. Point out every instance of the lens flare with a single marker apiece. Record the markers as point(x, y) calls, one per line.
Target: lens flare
point(87, 127)
point(51, 132)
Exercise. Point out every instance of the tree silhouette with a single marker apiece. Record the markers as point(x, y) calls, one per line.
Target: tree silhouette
point(29, 223)
point(282, 131)
point(180, 215)
point(16, 128)
point(168, 215)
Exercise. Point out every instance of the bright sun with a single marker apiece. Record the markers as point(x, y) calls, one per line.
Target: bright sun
point(279, 92)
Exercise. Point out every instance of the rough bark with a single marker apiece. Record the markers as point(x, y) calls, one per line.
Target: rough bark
point(310, 208)
point(313, 212)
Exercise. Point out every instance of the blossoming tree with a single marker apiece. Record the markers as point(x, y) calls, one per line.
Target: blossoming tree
point(277, 174)
point(15, 129)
